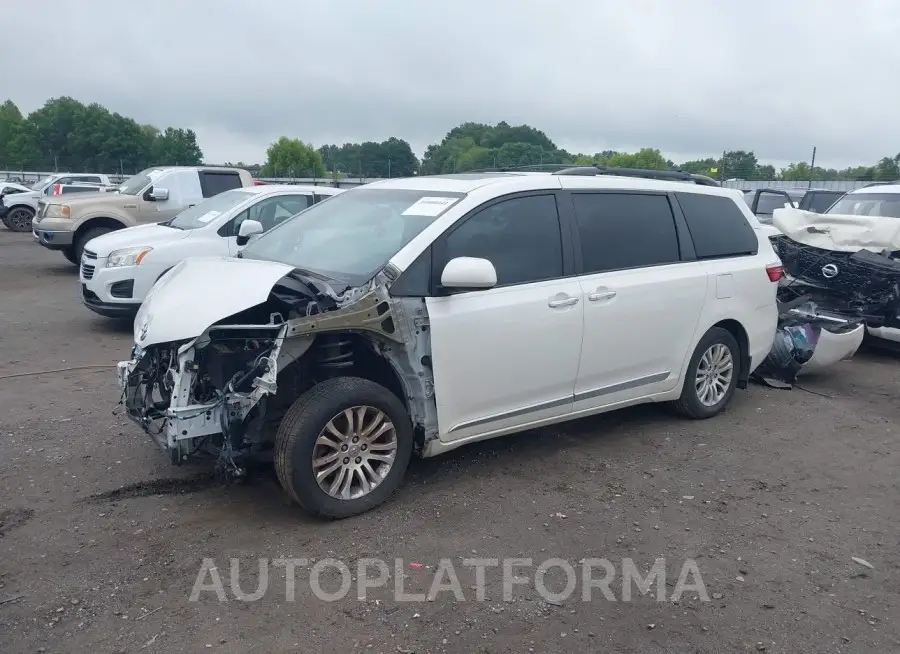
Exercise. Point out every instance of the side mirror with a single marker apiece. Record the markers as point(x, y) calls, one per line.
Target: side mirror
point(247, 229)
point(469, 273)
point(159, 194)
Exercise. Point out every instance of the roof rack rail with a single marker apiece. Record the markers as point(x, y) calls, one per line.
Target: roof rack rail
point(534, 168)
point(880, 184)
point(675, 175)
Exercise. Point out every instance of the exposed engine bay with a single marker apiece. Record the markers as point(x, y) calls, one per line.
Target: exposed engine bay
point(842, 275)
point(223, 393)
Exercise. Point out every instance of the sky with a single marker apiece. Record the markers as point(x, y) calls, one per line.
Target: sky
point(690, 77)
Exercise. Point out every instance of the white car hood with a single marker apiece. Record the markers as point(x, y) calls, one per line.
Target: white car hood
point(199, 292)
point(31, 196)
point(132, 237)
point(838, 232)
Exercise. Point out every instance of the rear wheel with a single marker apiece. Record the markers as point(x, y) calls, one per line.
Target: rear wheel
point(343, 447)
point(69, 253)
point(82, 240)
point(711, 376)
point(18, 219)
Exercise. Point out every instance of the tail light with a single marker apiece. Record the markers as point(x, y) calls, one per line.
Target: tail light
point(775, 271)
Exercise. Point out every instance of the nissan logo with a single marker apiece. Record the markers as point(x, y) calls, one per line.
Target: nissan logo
point(829, 271)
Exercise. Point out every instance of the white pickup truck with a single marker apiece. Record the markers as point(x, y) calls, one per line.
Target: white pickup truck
point(17, 210)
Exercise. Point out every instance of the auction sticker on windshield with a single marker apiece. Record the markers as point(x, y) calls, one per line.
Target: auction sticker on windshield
point(429, 206)
point(209, 216)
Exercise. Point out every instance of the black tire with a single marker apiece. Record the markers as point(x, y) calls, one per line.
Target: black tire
point(689, 403)
point(69, 253)
point(82, 240)
point(301, 426)
point(18, 219)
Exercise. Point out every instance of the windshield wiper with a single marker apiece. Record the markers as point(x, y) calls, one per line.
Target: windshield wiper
point(296, 272)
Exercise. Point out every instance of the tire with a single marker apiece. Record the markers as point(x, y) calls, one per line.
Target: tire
point(69, 253)
point(690, 403)
point(18, 219)
point(295, 444)
point(82, 240)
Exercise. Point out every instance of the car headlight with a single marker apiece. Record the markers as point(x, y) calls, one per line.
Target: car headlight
point(126, 257)
point(57, 211)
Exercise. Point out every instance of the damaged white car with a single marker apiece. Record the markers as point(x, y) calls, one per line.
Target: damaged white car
point(842, 278)
point(418, 315)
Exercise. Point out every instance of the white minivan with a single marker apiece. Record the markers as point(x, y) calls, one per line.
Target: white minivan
point(418, 315)
point(119, 268)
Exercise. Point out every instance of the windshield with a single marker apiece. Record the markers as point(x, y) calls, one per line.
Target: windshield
point(352, 235)
point(769, 202)
point(205, 212)
point(819, 202)
point(41, 183)
point(137, 183)
point(885, 205)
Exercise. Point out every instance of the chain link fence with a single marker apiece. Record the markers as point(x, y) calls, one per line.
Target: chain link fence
point(738, 169)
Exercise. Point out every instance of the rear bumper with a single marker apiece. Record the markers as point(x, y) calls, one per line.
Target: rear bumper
point(3, 210)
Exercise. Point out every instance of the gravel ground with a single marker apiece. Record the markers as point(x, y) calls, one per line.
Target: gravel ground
point(102, 541)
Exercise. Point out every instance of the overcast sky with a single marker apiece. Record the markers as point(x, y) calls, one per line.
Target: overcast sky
point(691, 77)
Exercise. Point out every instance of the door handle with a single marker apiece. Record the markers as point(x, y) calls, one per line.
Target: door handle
point(565, 302)
point(605, 295)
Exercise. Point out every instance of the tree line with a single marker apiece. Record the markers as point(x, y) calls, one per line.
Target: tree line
point(66, 134)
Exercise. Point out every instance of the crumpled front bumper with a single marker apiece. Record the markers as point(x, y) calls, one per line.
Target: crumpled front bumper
point(182, 427)
point(184, 422)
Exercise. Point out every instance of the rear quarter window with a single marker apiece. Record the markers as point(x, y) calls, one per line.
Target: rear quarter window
point(214, 182)
point(718, 227)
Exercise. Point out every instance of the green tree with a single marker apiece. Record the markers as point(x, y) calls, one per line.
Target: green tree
point(391, 158)
point(176, 147)
point(11, 134)
point(708, 167)
point(646, 158)
point(738, 164)
point(289, 157)
point(477, 145)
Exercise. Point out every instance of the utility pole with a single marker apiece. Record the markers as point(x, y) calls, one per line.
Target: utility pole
point(812, 166)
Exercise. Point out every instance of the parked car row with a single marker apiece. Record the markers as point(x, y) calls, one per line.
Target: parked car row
point(17, 209)
point(337, 333)
point(763, 202)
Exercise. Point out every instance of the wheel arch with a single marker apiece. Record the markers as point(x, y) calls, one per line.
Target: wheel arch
point(736, 329)
point(21, 205)
point(98, 221)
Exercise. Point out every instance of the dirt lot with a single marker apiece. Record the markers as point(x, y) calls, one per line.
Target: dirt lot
point(101, 540)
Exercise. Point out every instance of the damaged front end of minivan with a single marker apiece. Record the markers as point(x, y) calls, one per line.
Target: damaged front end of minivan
point(223, 391)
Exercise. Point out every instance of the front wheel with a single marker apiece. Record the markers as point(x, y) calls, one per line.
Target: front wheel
point(18, 219)
point(69, 253)
point(711, 376)
point(82, 240)
point(343, 447)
